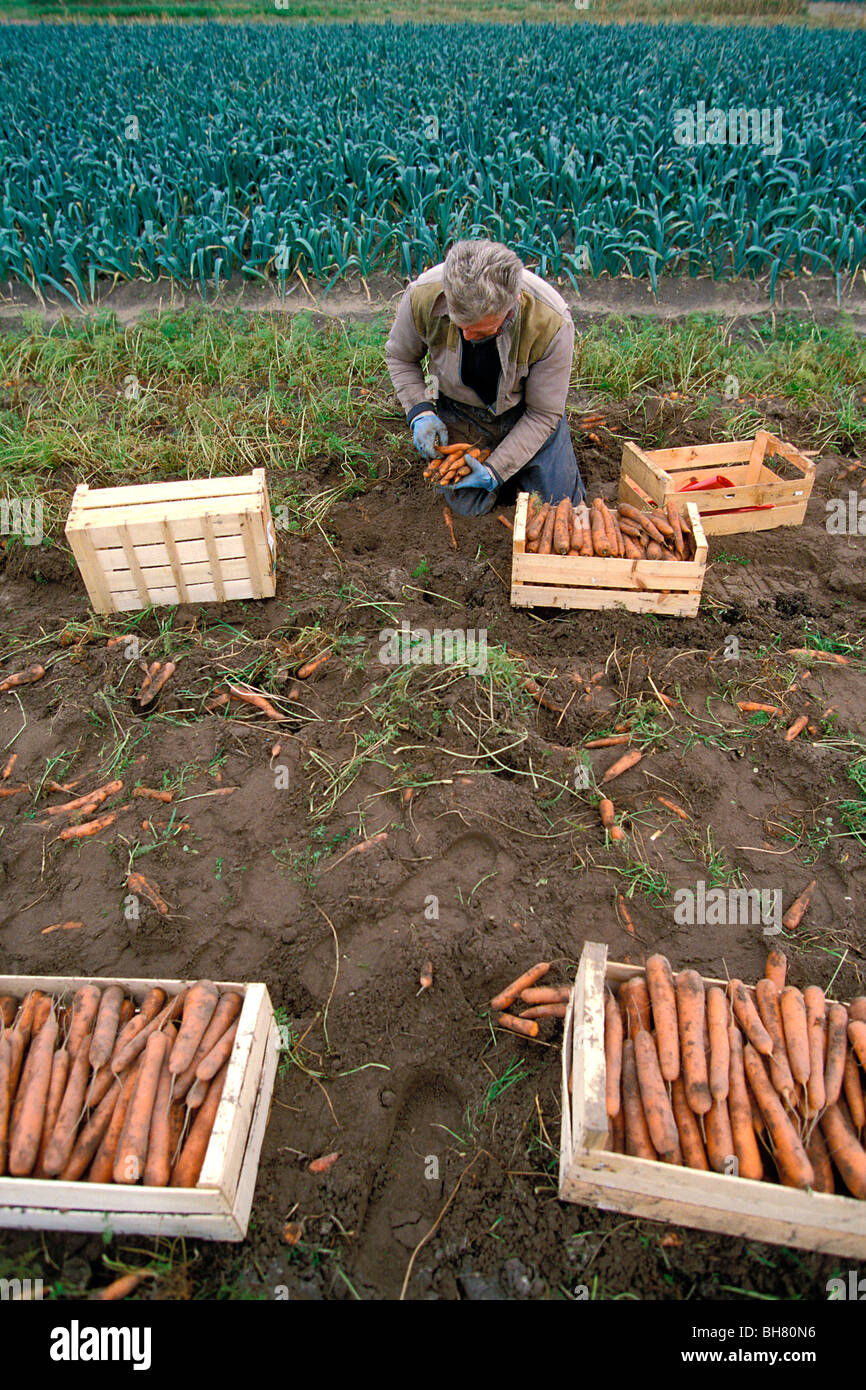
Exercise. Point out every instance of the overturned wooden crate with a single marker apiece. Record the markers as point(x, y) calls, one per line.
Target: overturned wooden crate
point(671, 588)
point(198, 541)
point(708, 1201)
point(759, 498)
point(218, 1207)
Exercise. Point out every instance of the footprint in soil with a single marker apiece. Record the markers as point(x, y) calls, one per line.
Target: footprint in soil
point(419, 1169)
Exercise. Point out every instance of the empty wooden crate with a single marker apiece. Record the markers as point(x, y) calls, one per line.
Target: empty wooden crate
point(218, 1207)
point(758, 499)
point(198, 541)
point(591, 1174)
point(670, 588)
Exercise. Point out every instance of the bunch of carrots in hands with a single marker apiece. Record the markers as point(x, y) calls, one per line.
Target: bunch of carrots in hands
point(748, 1083)
point(105, 1093)
point(617, 532)
point(451, 464)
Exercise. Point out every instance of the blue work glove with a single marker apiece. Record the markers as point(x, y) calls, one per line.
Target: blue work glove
point(428, 433)
point(479, 477)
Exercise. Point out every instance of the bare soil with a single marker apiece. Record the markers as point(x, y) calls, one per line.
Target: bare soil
point(402, 1080)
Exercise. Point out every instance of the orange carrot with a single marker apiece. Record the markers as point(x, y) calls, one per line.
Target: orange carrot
point(624, 914)
point(636, 998)
point(217, 1056)
point(845, 1151)
point(321, 1165)
point(796, 728)
point(151, 1004)
point(748, 1154)
point(93, 827)
point(796, 1030)
point(510, 993)
point(259, 702)
point(792, 1161)
point(425, 979)
point(795, 913)
point(448, 518)
point(776, 968)
point(137, 883)
point(152, 793)
point(5, 1098)
point(310, 667)
point(535, 527)
point(545, 1011)
point(33, 673)
point(155, 682)
point(835, 1048)
point(562, 527)
point(546, 994)
point(121, 1287)
point(819, 1157)
point(672, 806)
point(613, 1039)
point(748, 1018)
point(637, 1136)
point(813, 998)
point(691, 1140)
point(24, 1022)
point(720, 1052)
point(857, 1039)
point(157, 1167)
point(131, 1153)
point(853, 1088)
point(662, 993)
point(91, 1135)
point(612, 741)
point(8, 1010)
point(121, 1057)
point(616, 1133)
point(691, 1010)
point(654, 1097)
point(228, 1007)
point(808, 655)
point(771, 1016)
point(527, 1027)
point(628, 760)
point(60, 1145)
point(26, 1136)
point(103, 1160)
point(755, 707)
point(857, 1009)
point(41, 1014)
point(720, 1137)
point(201, 1001)
point(94, 798)
point(56, 1088)
point(85, 1007)
point(189, 1165)
point(606, 812)
point(105, 1028)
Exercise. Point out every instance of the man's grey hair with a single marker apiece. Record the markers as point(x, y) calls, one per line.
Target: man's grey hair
point(481, 278)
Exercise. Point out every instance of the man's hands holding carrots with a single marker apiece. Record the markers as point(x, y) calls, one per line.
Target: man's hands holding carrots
point(428, 434)
point(460, 465)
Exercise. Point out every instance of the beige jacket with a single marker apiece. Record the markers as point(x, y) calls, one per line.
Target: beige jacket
point(535, 351)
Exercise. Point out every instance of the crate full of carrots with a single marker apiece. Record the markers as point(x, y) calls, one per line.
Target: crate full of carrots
point(597, 556)
point(715, 1104)
point(134, 1105)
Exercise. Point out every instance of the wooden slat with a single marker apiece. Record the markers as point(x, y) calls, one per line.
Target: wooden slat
point(210, 542)
point(700, 536)
point(756, 456)
point(108, 537)
point(147, 513)
point(176, 571)
point(780, 448)
point(189, 552)
point(91, 571)
point(681, 605)
point(195, 1226)
point(183, 490)
point(641, 466)
point(120, 581)
point(231, 1126)
point(589, 1122)
point(565, 1133)
point(138, 578)
point(597, 572)
point(250, 1167)
point(700, 456)
point(197, 593)
point(742, 522)
point(254, 541)
point(521, 512)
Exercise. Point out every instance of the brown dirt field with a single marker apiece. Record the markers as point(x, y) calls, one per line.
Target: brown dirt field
point(400, 1078)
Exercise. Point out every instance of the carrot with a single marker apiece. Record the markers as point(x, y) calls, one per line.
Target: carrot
point(33, 673)
point(321, 1165)
point(85, 1007)
point(748, 1018)
point(771, 1016)
point(796, 728)
point(562, 527)
point(616, 1133)
point(624, 912)
point(105, 1028)
point(857, 1039)
point(673, 516)
point(755, 707)
point(662, 993)
point(41, 1014)
point(189, 1165)
point(201, 1001)
point(720, 1137)
point(25, 1138)
point(631, 549)
point(720, 1051)
point(748, 1154)
point(546, 995)
point(819, 1157)
point(637, 1136)
point(259, 702)
point(795, 913)
point(813, 998)
point(123, 1056)
point(24, 1022)
point(776, 968)
point(545, 1011)
point(228, 1007)
point(606, 812)
point(691, 1009)
point(835, 1048)
point(613, 1039)
point(93, 827)
point(151, 1004)
point(310, 667)
point(16, 1057)
point(91, 1135)
point(628, 760)
point(453, 448)
point(196, 1094)
point(94, 798)
point(152, 793)
point(636, 998)
point(131, 1153)
point(598, 531)
point(137, 883)
point(672, 806)
point(545, 539)
point(691, 1140)
point(806, 654)
point(618, 535)
point(845, 1151)
point(612, 741)
point(8, 1009)
point(791, 1158)
point(654, 1097)
point(505, 521)
point(218, 1055)
point(510, 993)
point(5, 1098)
point(853, 1088)
point(56, 1088)
point(536, 525)
point(148, 693)
point(857, 1009)
point(121, 1287)
point(157, 1167)
point(796, 1031)
point(609, 528)
point(103, 1160)
point(528, 1027)
point(69, 1115)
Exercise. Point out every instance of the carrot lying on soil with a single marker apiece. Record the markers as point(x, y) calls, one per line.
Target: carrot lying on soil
point(717, 1033)
point(131, 1153)
point(157, 681)
point(449, 522)
point(791, 1158)
point(33, 673)
point(613, 1040)
point(153, 794)
point(628, 760)
point(610, 742)
point(545, 1011)
point(189, 1165)
point(836, 1045)
point(776, 968)
point(654, 1097)
point(61, 926)
point(813, 997)
point(806, 654)
point(93, 827)
point(624, 914)
point(198, 1010)
point(672, 806)
point(691, 1139)
point(637, 1136)
point(425, 979)
point(26, 1135)
point(796, 1031)
point(796, 728)
point(755, 707)
point(505, 521)
point(546, 994)
point(121, 1287)
point(748, 1155)
point(748, 1017)
point(527, 1027)
point(606, 812)
point(795, 913)
point(8, 766)
point(94, 798)
point(769, 1008)
point(508, 995)
point(137, 883)
point(845, 1150)
point(663, 998)
point(691, 1011)
point(259, 702)
point(311, 667)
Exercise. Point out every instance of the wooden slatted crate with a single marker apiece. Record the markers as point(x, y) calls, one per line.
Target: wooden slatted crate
point(218, 1207)
point(671, 588)
point(760, 498)
point(197, 541)
point(707, 1201)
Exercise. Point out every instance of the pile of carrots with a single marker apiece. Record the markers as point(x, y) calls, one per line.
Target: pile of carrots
point(614, 532)
point(100, 1092)
point(452, 463)
point(760, 1083)
point(545, 1001)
